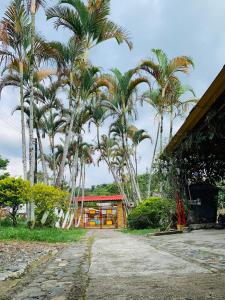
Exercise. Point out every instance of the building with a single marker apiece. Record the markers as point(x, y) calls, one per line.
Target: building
point(101, 212)
point(197, 152)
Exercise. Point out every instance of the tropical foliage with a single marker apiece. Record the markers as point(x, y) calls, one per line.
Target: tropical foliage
point(153, 213)
point(13, 193)
point(47, 200)
point(3, 166)
point(62, 95)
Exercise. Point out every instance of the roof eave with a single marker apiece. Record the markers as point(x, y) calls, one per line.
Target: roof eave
point(199, 111)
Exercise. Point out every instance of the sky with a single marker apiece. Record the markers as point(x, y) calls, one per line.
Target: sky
point(179, 27)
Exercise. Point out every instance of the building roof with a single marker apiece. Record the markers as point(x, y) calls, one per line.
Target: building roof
point(216, 89)
point(101, 198)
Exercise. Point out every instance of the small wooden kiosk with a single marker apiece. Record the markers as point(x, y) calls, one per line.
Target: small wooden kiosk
point(102, 212)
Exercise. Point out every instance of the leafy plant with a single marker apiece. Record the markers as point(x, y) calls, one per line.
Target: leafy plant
point(152, 213)
point(3, 165)
point(46, 199)
point(13, 193)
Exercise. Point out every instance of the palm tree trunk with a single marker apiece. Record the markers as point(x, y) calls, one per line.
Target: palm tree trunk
point(130, 168)
point(98, 137)
point(152, 162)
point(31, 219)
point(161, 133)
point(136, 162)
point(134, 183)
point(82, 189)
point(24, 150)
point(74, 171)
point(52, 145)
point(65, 151)
point(44, 168)
point(171, 123)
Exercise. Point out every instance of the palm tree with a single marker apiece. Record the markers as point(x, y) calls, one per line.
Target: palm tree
point(33, 6)
point(38, 125)
point(52, 123)
point(84, 86)
point(165, 71)
point(137, 136)
point(97, 116)
point(90, 26)
point(107, 148)
point(14, 36)
point(89, 22)
point(177, 104)
point(13, 78)
point(121, 103)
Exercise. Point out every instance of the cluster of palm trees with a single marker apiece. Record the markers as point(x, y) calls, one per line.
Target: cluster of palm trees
point(44, 71)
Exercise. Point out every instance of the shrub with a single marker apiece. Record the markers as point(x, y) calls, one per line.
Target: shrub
point(152, 213)
point(13, 193)
point(46, 199)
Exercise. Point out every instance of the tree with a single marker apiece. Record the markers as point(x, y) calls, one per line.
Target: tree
point(15, 44)
point(164, 71)
point(90, 25)
point(13, 193)
point(177, 105)
point(137, 136)
point(121, 103)
point(33, 6)
point(88, 22)
point(3, 165)
point(46, 199)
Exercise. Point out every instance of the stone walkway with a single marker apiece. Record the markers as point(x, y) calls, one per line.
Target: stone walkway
point(111, 265)
point(16, 257)
point(55, 280)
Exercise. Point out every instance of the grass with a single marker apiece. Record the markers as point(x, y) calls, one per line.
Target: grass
point(140, 231)
point(48, 235)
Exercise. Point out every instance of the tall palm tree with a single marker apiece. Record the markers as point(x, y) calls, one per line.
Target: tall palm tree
point(52, 123)
point(165, 71)
point(84, 86)
point(12, 78)
point(121, 103)
point(107, 148)
point(14, 36)
point(33, 6)
point(97, 116)
point(137, 136)
point(177, 104)
point(154, 99)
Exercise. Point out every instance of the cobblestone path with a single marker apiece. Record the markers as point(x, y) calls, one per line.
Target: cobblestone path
point(58, 277)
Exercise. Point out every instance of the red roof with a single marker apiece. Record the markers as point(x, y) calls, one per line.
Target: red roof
point(101, 198)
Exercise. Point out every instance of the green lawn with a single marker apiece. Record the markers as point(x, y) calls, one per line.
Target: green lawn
point(49, 235)
point(141, 231)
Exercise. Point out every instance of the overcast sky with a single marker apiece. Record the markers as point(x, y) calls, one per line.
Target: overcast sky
point(180, 27)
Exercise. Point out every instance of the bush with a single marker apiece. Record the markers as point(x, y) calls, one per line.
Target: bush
point(13, 193)
point(46, 199)
point(152, 213)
